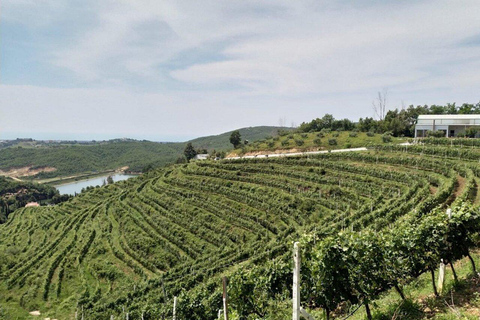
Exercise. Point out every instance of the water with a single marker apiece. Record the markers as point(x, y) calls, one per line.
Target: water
point(77, 186)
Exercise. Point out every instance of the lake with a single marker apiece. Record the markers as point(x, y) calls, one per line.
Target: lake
point(77, 186)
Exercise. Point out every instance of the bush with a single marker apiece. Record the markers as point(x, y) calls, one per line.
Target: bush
point(370, 134)
point(320, 135)
point(386, 138)
point(353, 134)
point(435, 134)
point(271, 144)
point(299, 142)
point(285, 143)
point(317, 141)
point(332, 142)
point(335, 134)
point(348, 145)
point(304, 135)
point(471, 132)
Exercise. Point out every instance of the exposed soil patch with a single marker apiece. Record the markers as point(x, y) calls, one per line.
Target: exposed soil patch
point(15, 173)
point(461, 181)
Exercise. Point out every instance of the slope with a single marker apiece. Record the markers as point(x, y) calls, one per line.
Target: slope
point(65, 159)
point(133, 246)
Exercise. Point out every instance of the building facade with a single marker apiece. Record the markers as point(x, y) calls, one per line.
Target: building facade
point(451, 124)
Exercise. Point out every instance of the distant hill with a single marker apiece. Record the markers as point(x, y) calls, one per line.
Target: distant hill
point(221, 141)
point(39, 159)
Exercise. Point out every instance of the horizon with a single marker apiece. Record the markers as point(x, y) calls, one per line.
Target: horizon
point(167, 71)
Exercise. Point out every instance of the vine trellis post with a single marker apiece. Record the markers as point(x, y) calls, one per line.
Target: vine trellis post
point(441, 270)
point(298, 311)
point(174, 307)
point(225, 298)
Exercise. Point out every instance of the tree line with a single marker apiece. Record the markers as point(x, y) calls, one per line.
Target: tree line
point(398, 122)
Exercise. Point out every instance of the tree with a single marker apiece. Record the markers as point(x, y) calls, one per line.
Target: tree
point(109, 180)
point(235, 139)
point(189, 152)
point(380, 105)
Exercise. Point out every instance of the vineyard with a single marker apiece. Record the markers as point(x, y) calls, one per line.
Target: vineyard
point(367, 221)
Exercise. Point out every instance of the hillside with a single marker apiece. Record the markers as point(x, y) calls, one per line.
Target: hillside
point(222, 142)
point(42, 160)
point(16, 194)
point(133, 246)
point(313, 141)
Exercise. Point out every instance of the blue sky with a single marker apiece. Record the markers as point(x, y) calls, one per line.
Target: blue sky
point(174, 70)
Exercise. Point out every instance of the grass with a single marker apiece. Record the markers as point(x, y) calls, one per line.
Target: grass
point(314, 141)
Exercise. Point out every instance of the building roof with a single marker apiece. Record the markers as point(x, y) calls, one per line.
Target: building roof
point(448, 116)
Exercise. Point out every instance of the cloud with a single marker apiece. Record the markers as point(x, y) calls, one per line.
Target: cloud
point(200, 67)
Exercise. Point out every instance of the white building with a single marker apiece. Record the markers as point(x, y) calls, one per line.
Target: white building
point(201, 156)
point(451, 124)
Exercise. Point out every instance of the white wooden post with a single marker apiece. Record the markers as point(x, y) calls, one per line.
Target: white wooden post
point(220, 311)
point(111, 317)
point(441, 270)
point(76, 314)
point(296, 282)
point(126, 316)
point(174, 307)
point(225, 299)
point(441, 277)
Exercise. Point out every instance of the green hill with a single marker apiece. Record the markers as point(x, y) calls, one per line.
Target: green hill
point(69, 158)
point(222, 142)
point(313, 141)
point(365, 220)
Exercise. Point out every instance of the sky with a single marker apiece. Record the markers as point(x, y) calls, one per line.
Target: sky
point(175, 70)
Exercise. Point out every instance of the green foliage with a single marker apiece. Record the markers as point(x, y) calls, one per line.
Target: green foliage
point(235, 139)
point(299, 142)
point(189, 151)
point(386, 138)
point(16, 194)
point(435, 134)
point(332, 142)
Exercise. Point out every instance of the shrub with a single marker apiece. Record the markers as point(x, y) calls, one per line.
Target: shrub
point(436, 134)
point(285, 143)
point(299, 142)
point(304, 135)
point(386, 138)
point(352, 134)
point(370, 133)
point(335, 134)
point(348, 145)
point(317, 141)
point(271, 144)
point(332, 142)
point(320, 135)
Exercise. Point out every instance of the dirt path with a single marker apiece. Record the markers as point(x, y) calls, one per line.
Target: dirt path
point(292, 154)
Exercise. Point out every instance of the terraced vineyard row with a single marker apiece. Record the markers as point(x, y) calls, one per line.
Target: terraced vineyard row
point(133, 246)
